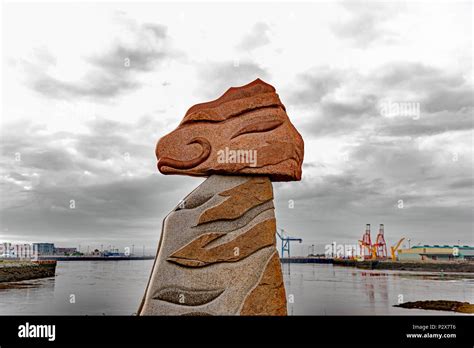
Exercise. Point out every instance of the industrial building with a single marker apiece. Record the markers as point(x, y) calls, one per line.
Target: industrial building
point(437, 253)
point(44, 248)
point(65, 251)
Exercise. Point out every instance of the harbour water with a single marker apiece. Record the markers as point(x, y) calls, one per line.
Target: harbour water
point(116, 288)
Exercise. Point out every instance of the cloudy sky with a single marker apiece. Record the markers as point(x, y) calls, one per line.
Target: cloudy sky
point(89, 89)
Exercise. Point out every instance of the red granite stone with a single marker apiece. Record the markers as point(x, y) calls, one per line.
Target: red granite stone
point(246, 131)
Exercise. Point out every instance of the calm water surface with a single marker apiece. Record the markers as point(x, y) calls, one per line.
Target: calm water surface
point(116, 288)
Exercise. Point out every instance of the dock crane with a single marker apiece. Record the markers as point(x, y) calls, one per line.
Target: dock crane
point(285, 241)
point(367, 249)
point(393, 249)
point(380, 247)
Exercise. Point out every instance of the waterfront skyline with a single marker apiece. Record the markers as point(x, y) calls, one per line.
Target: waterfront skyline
point(381, 94)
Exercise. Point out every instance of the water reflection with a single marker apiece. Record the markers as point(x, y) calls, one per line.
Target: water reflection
point(328, 289)
point(116, 288)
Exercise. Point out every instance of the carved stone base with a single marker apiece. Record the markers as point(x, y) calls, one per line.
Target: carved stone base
point(217, 253)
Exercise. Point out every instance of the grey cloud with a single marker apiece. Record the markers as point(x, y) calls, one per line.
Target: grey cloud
point(158, 30)
point(316, 90)
point(365, 25)
point(377, 176)
point(123, 209)
point(116, 200)
point(49, 159)
point(314, 85)
point(44, 56)
point(467, 183)
point(445, 100)
point(100, 151)
point(311, 165)
point(435, 89)
point(362, 29)
point(385, 162)
point(17, 176)
point(256, 38)
point(337, 117)
point(108, 139)
point(112, 72)
point(142, 57)
point(96, 85)
point(355, 109)
point(408, 170)
point(43, 152)
point(415, 75)
point(217, 77)
point(427, 124)
point(35, 153)
point(119, 201)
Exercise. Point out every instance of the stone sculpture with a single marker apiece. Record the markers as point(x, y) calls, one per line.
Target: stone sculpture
point(217, 253)
point(246, 119)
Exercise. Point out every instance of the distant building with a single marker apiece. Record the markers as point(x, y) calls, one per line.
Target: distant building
point(437, 253)
point(64, 251)
point(113, 253)
point(6, 250)
point(21, 251)
point(44, 248)
point(96, 252)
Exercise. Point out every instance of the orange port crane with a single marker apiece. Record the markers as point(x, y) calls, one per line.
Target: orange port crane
point(366, 244)
point(393, 249)
point(380, 247)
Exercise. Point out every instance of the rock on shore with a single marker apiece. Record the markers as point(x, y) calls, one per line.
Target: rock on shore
point(13, 271)
point(440, 305)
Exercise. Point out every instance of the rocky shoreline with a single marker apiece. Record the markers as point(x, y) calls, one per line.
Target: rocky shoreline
point(440, 305)
point(14, 271)
point(409, 265)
